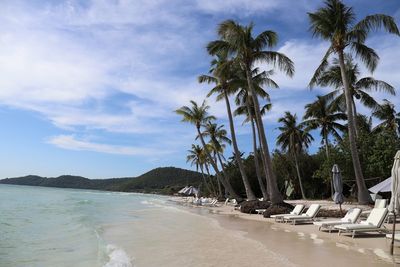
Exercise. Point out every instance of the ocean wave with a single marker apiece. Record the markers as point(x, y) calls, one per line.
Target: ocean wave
point(117, 257)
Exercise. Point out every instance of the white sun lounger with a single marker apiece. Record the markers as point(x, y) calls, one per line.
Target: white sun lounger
point(298, 209)
point(305, 217)
point(350, 217)
point(379, 204)
point(373, 223)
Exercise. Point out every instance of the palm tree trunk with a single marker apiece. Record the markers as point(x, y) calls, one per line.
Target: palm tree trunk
point(303, 196)
point(249, 192)
point(355, 117)
point(274, 194)
point(256, 162)
point(326, 141)
point(204, 179)
point(220, 176)
point(218, 183)
point(363, 195)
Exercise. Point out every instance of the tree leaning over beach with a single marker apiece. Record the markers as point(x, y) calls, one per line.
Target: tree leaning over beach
point(295, 139)
point(238, 41)
point(198, 115)
point(335, 22)
point(221, 75)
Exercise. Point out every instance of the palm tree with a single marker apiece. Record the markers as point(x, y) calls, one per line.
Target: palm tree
point(238, 41)
point(249, 117)
point(218, 139)
point(359, 87)
point(197, 157)
point(294, 139)
point(320, 115)
point(198, 115)
point(221, 74)
point(389, 117)
point(335, 22)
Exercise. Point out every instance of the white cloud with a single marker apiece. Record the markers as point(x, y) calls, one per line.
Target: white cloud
point(70, 142)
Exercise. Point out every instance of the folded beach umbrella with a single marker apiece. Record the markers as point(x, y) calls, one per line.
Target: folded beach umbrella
point(338, 186)
point(394, 205)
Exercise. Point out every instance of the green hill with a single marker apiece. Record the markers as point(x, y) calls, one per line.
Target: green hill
point(166, 180)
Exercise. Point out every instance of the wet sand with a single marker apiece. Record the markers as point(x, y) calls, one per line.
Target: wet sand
point(221, 236)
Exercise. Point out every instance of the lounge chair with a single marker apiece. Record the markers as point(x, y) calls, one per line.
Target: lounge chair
point(213, 203)
point(379, 204)
point(309, 216)
point(350, 217)
point(298, 209)
point(373, 223)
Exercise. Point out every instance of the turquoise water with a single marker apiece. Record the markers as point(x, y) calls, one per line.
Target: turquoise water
point(62, 227)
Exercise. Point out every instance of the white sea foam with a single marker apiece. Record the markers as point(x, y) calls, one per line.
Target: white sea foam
point(118, 257)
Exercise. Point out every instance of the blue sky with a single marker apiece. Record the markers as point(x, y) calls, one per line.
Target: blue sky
point(89, 87)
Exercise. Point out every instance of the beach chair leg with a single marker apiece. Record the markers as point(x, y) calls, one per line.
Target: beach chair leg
point(319, 228)
point(339, 232)
point(354, 233)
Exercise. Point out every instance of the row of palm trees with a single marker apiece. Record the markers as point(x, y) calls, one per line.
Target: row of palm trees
point(233, 73)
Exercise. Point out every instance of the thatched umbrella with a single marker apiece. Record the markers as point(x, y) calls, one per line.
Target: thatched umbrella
point(395, 199)
point(338, 186)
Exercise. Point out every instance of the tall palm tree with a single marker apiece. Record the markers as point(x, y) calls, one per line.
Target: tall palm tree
point(359, 87)
point(221, 75)
point(294, 138)
point(198, 115)
point(249, 117)
point(197, 157)
point(389, 117)
point(246, 49)
point(335, 22)
point(217, 135)
point(320, 115)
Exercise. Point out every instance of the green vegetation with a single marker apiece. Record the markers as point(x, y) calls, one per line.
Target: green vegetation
point(348, 138)
point(167, 180)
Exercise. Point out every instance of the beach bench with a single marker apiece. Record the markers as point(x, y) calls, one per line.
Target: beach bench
point(373, 223)
point(309, 216)
point(298, 209)
point(350, 217)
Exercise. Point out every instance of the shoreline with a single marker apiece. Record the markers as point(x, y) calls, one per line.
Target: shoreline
point(298, 242)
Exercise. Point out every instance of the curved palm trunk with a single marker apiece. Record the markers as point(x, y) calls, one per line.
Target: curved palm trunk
point(249, 192)
point(218, 183)
point(274, 194)
point(220, 176)
point(363, 194)
point(328, 159)
point(355, 116)
point(256, 132)
point(204, 179)
point(303, 196)
point(257, 163)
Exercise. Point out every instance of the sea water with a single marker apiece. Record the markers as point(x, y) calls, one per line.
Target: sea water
point(42, 226)
point(53, 227)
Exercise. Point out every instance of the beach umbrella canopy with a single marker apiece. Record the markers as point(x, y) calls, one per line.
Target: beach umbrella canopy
point(337, 185)
point(394, 205)
point(183, 190)
point(384, 186)
point(190, 190)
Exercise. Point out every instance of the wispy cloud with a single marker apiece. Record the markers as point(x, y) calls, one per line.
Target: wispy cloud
point(70, 142)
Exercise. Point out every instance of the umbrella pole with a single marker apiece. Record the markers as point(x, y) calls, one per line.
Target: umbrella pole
point(394, 229)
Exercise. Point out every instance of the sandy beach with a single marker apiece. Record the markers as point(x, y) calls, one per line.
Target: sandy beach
point(302, 245)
